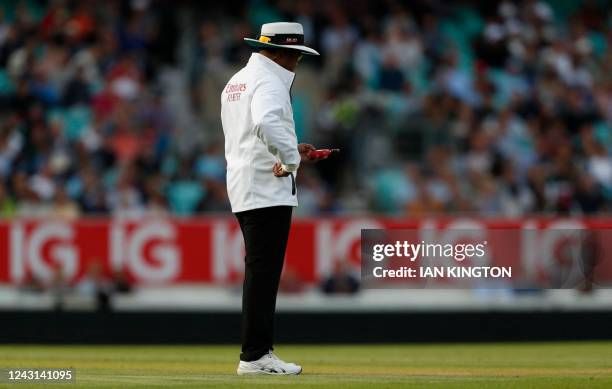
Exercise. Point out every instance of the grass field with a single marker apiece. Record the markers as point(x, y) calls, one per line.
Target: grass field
point(528, 365)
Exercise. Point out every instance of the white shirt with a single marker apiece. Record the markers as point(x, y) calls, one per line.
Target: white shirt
point(259, 130)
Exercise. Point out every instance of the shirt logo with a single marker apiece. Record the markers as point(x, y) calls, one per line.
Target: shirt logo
point(233, 91)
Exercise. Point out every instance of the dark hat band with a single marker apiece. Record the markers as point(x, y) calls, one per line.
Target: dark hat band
point(283, 39)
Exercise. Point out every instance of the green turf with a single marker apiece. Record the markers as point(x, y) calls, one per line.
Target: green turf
point(529, 365)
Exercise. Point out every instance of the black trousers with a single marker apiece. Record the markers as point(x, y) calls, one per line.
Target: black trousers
point(265, 232)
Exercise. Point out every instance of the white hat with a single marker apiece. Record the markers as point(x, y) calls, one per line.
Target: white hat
point(283, 35)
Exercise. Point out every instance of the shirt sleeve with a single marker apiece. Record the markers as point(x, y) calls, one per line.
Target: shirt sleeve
point(267, 111)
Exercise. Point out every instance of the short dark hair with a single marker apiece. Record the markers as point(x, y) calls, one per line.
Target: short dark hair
point(272, 50)
point(276, 50)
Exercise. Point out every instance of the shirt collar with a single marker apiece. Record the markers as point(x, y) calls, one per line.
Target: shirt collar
point(285, 75)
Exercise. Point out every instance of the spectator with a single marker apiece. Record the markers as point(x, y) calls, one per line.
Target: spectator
point(63, 206)
point(341, 281)
point(7, 204)
point(96, 285)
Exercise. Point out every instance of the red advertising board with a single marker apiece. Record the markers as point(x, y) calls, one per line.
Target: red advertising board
point(210, 250)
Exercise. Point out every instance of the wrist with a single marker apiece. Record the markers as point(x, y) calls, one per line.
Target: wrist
point(289, 168)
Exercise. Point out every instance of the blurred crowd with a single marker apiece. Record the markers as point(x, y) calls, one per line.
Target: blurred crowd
point(439, 107)
point(83, 124)
point(95, 290)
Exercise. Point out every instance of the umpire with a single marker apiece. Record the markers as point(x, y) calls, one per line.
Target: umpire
point(263, 156)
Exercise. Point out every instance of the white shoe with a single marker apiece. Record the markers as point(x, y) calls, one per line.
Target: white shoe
point(268, 364)
point(278, 359)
